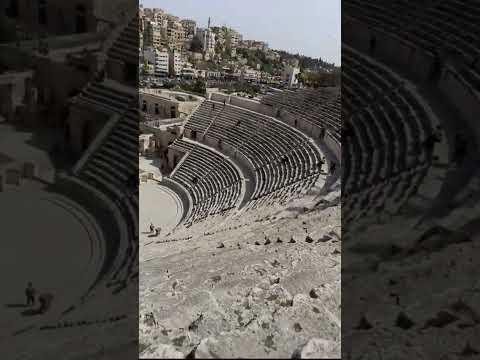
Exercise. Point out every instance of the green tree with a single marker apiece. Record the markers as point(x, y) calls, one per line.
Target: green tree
point(198, 87)
point(268, 68)
point(218, 49)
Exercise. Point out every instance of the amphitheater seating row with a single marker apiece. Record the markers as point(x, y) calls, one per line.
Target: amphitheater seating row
point(107, 171)
point(451, 24)
point(279, 156)
point(125, 48)
point(447, 27)
point(212, 180)
point(113, 165)
point(364, 82)
point(320, 106)
point(384, 155)
point(105, 95)
point(396, 14)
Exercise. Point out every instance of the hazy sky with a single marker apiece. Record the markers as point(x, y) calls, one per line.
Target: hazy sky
point(309, 27)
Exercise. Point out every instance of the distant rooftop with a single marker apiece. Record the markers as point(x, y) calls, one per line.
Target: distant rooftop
point(171, 95)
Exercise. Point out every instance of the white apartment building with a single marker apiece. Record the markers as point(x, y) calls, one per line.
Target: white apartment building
point(236, 38)
point(207, 36)
point(159, 59)
point(161, 18)
point(162, 63)
point(289, 75)
point(254, 45)
point(153, 34)
point(214, 75)
point(172, 19)
point(176, 63)
point(251, 75)
point(176, 35)
point(188, 72)
point(150, 13)
point(190, 26)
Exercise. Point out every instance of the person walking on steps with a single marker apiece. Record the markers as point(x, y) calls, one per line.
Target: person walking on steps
point(332, 167)
point(30, 294)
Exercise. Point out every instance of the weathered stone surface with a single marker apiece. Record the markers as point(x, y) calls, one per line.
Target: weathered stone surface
point(206, 349)
point(412, 297)
point(247, 301)
point(161, 351)
point(320, 349)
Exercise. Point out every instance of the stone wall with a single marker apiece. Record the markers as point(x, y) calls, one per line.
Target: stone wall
point(243, 103)
point(169, 106)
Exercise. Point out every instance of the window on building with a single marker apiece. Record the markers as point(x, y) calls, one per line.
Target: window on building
point(144, 106)
point(156, 109)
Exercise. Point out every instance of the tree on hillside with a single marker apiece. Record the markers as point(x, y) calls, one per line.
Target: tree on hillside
point(218, 49)
point(200, 87)
point(267, 68)
point(318, 79)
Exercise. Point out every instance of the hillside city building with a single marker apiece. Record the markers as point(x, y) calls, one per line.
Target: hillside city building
point(193, 50)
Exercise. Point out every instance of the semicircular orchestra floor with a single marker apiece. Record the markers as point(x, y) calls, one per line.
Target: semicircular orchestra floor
point(160, 206)
point(50, 241)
